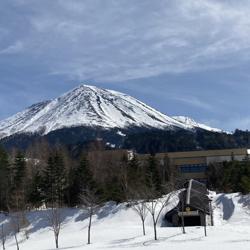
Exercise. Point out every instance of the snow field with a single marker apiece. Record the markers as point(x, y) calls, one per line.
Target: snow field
point(119, 227)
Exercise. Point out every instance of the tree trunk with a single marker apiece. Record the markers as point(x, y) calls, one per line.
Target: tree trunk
point(56, 240)
point(3, 238)
point(17, 246)
point(89, 227)
point(211, 214)
point(3, 245)
point(143, 227)
point(205, 226)
point(155, 232)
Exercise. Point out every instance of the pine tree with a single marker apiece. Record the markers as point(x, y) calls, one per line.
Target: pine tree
point(81, 178)
point(35, 192)
point(17, 172)
point(4, 164)
point(54, 180)
point(152, 177)
point(60, 178)
point(134, 175)
point(113, 190)
point(85, 177)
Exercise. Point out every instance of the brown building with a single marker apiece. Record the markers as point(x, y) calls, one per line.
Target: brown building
point(193, 164)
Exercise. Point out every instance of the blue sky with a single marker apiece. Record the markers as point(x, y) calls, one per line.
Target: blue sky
point(183, 57)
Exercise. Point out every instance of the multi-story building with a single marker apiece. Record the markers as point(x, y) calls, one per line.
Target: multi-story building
point(193, 164)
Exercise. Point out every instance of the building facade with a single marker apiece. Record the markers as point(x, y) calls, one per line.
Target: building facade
point(193, 164)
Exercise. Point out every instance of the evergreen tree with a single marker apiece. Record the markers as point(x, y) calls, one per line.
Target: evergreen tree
point(60, 178)
point(81, 178)
point(113, 190)
point(35, 192)
point(245, 184)
point(54, 180)
point(4, 164)
point(231, 176)
point(135, 176)
point(152, 177)
point(85, 177)
point(17, 172)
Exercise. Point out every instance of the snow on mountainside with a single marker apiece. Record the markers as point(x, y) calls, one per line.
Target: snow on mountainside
point(89, 106)
point(192, 123)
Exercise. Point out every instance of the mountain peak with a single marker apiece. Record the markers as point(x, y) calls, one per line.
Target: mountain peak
point(88, 105)
point(87, 87)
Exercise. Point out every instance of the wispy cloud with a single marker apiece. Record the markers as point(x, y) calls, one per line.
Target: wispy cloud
point(13, 48)
point(121, 40)
point(195, 102)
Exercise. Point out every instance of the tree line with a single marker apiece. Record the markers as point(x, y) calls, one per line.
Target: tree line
point(229, 177)
point(156, 141)
point(46, 174)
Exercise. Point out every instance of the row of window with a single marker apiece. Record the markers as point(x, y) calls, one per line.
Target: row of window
point(193, 168)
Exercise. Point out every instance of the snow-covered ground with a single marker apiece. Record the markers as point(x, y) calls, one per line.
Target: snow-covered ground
point(118, 227)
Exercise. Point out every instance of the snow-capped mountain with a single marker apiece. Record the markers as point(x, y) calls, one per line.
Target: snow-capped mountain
point(189, 122)
point(92, 107)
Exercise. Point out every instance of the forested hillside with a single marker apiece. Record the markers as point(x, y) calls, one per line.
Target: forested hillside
point(171, 141)
point(141, 140)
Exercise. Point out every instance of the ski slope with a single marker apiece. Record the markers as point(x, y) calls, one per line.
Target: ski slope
point(117, 227)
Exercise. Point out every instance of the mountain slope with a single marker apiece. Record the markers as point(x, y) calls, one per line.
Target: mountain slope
point(88, 106)
point(192, 123)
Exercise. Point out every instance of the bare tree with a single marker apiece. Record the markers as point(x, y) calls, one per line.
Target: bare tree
point(55, 222)
point(137, 199)
point(91, 203)
point(15, 226)
point(24, 223)
point(3, 236)
point(155, 205)
point(141, 209)
point(18, 223)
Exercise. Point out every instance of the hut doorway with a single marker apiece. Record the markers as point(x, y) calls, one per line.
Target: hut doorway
point(190, 221)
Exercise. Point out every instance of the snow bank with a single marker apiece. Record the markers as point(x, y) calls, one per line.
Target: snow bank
point(232, 209)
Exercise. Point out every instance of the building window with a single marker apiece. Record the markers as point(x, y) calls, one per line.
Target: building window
point(193, 168)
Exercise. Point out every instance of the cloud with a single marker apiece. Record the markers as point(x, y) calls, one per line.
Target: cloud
point(121, 40)
point(195, 102)
point(13, 48)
